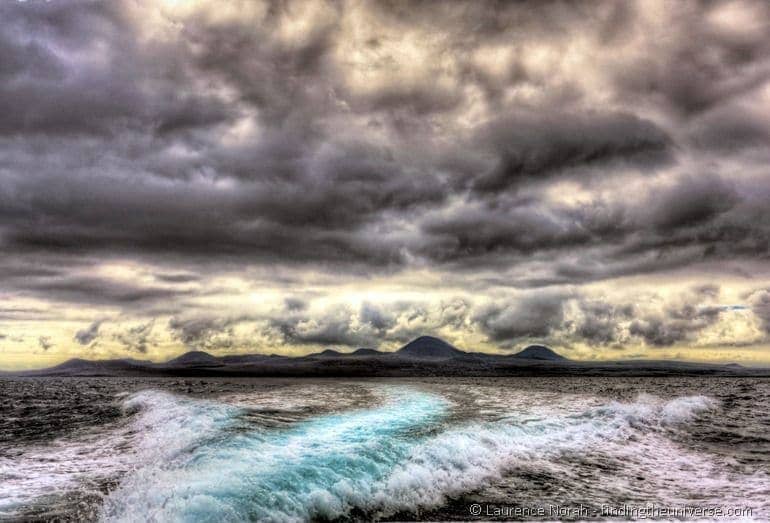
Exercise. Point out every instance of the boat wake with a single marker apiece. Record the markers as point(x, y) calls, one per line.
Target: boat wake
point(186, 459)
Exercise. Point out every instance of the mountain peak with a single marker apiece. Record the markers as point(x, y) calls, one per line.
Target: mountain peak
point(429, 347)
point(539, 352)
point(194, 357)
point(73, 363)
point(327, 353)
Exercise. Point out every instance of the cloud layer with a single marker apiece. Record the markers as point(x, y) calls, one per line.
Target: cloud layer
point(281, 176)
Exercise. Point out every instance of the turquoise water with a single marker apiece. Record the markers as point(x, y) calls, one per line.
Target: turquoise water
point(369, 450)
point(323, 466)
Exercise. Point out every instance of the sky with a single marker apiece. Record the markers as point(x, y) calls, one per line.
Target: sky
point(284, 177)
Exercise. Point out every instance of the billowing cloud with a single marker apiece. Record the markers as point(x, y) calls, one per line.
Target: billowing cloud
point(88, 334)
point(533, 147)
point(536, 315)
point(760, 305)
point(376, 171)
point(136, 338)
point(601, 322)
point(338, 325)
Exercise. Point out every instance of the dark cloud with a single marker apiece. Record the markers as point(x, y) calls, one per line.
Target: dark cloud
point(177, 277)
point(533, 316)
point(370, 324)
point(602, 321)
point(45, 91)
point(694, 200)
point(730, 128)
point(465, 137)
point(709, 290)
point(204, 333)
point(317, 214)
point(565, 318)
point(376, 317)
point(136, 338)
point(89, 334)
point(676, 324)
point(483, 231)
point(406, 320)
point(100, 291)
point(689, 220)
point(533, 147)
point(705, 64)
point(26, 314)
point(295, 304)
point(338, 325)
point(299, 192)
point(44, 342)
point(760, 306)
point(658, 333)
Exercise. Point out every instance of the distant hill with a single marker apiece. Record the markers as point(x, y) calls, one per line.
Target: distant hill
point(366, 352)
point(424, 356)
point(241, 359)
point(195, 358)
point(81, 367)
point(429, 347)
point(74, 363)
point(539, 352)
point(328, 353)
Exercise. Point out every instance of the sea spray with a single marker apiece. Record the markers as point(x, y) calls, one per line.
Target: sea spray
point(323, 466)
point(364, 449)
point(463, 459)
point(398, 456)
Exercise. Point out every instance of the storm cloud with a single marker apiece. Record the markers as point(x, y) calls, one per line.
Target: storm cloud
point(535, 315)
point(305, 170)
point(136, 338)
point(88, 334)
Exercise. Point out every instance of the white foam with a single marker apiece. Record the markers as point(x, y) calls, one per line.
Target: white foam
point(462, 460)
point(684, 409)
point(321, 466)
point(165, 426)
point(189, 459)
point(330, 465)
point(168, 424)
point(53, 470)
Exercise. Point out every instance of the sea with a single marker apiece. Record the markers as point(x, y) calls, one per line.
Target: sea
point(430, 449)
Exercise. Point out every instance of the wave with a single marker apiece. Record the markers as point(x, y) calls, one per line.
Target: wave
point(462, 460)
point(165, 425)
point(401, 455)
point(41, 473)
point(324, 466)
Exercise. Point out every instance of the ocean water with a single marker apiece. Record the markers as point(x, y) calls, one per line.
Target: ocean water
point(129, 449)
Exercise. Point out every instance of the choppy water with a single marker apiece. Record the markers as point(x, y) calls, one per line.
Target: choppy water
point(278, 450)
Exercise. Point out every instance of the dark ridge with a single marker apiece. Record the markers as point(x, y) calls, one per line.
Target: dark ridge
point(132, 361)
point(79, 363)
point(328, 353)
point(424, 356)
point(429, 347)
point(195, 357)
point(539, 352)
point(79, 366)
point(365, 352)
point(74, 363)
point(246, 358)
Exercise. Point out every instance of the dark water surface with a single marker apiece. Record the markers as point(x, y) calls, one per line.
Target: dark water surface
point(166, 449)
